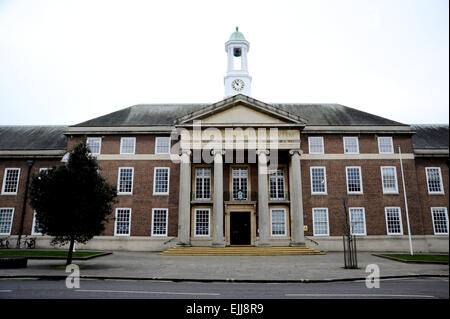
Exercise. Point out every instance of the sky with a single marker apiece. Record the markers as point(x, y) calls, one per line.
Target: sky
point(63, 62)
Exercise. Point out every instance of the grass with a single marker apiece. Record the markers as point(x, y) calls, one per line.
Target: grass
point(45, 253)
point(419, 257)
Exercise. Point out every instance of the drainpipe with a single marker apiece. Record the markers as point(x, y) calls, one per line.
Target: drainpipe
point(24, 207)
point(406, 202)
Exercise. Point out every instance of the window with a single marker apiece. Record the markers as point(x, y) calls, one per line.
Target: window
point(320, 222)
point(389, 179)
point(318, 180)
point(240, 179)
point(315, 145)
point(393, 221)
point(351, 145)
point(11, 181)
point(43, 169)
point(123, 222)
point(434, 180)
point(278, 221)
point(162, 145)
point(6, 218)
point(440, 220)
point(357, 221)
point(203, 183)
point(201, 224)
point(127, 145)
point(159, 221)
point(161, 181)
point(35, 230)
point(94, 144)
point(385, 145)
point(125, 182)
point(276, 185)
point(354, 180)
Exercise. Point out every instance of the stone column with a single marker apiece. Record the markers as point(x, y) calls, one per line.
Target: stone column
point(263, 198)
point(184, 204)
point(298, 235)
point(218, 239)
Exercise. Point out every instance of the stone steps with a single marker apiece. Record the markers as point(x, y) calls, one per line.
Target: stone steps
point(241, 251)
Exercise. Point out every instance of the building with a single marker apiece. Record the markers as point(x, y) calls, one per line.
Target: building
point(244, 172)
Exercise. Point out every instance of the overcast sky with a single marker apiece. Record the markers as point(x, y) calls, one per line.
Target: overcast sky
point(64, 62)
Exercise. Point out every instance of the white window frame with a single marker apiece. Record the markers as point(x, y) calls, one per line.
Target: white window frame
point(4, 181)
point(118, 181)
point(34, 226)
point(12, 220)
point(446, 217)
point(395, 177)
point(209, 222)
point(277, 182)
point(314, 218)
point(364, 220)
point(310, 138)
point(157, 139)
point(325, 180)
point(153, 222)
point(441, 184)
point(360, 180)
point(379, 144)
point(203, 183)
point(399, 211)
point(285, 222)
point(122, 142)
point(350, 138)
point(99, 147)
point(241, 176)
point(129, 222)
point(168, 181)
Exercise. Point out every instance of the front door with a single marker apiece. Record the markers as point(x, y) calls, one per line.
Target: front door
point(240, 228)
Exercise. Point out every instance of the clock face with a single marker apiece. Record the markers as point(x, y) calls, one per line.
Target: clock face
point(238, 85)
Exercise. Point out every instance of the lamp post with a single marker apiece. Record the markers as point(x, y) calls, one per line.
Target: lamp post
point(406, 202)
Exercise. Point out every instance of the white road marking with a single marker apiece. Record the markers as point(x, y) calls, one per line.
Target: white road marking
point(5, 290)
point(359, 295)
point(149, 292)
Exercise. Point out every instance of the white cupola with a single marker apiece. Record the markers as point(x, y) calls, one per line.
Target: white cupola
point(237, 80)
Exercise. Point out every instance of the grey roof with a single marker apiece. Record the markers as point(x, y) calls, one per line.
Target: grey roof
point(33, 137)
point(166, 114)
point(431, 136)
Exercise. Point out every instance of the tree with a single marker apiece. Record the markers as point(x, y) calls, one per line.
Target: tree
point(73, 201)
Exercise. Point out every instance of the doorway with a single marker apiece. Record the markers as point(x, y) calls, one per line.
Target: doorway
point(240, 228)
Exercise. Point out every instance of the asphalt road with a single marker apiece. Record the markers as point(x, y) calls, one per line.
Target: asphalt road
point(411, 288)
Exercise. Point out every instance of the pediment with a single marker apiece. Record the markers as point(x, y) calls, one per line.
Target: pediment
point(243, 110)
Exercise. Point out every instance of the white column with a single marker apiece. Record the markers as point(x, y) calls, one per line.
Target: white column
point(184, 204)
point(230, 59)
point(218, 239)
point(263, 198)
point(244, 59)
point(298, 234)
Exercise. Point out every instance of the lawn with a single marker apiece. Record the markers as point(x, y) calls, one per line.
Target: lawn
point(429, 258)
point(35, 253)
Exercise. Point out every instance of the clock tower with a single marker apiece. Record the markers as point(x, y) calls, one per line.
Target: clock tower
point(237, 80)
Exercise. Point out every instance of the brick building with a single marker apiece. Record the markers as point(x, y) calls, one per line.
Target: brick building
point(244, 172)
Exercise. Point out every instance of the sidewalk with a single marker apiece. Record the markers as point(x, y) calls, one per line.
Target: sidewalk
point(150, 265)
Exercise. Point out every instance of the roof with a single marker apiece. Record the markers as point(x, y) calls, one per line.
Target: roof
point(166, 114)
point(430, 136)
point(236, 35)
point(33, 137)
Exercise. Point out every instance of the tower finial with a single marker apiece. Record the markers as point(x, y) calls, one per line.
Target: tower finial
point(237, 29)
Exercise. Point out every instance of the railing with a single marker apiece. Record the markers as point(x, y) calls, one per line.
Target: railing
point(26, 242)
point(312, 240)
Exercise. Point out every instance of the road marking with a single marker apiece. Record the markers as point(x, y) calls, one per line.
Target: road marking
point(149, 292)
point(5, 290)
point(359, 295)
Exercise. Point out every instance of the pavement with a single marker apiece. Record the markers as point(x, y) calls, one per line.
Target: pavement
point(152, 266)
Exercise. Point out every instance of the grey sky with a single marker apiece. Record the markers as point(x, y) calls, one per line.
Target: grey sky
point(64, 62)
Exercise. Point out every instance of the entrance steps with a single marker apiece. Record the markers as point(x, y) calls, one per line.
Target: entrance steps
point(241, 251)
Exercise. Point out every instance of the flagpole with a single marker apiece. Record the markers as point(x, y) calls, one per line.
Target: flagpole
point(406, 202)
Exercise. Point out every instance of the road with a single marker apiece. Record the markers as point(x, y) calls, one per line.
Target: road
point(410, 288)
